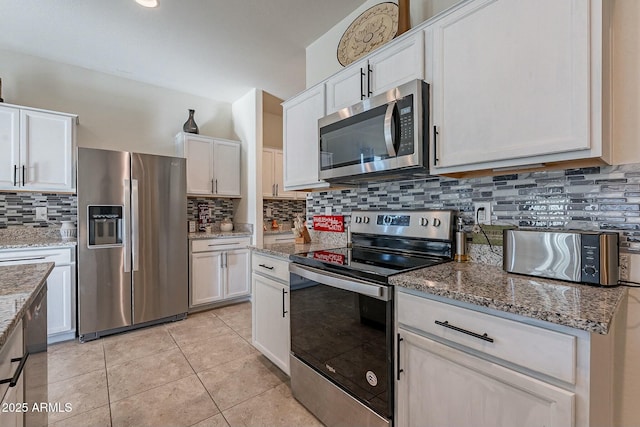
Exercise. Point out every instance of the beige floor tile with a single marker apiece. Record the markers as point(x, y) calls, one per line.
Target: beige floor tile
point(100, 417)
point(236, 381)
point(197, 328)
point(213, 352)
point(245, 333)
point(72, 358)
point(273, 408)
point(180, 403)
point(84, 393)
point(135, 344)
point(138, 375)
point(215, 421)
point(237, 320)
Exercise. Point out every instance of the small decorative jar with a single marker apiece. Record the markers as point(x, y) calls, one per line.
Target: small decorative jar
point(226, 225)
point(68, 230)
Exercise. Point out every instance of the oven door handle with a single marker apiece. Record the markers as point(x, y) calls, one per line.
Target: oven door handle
point(380, 292)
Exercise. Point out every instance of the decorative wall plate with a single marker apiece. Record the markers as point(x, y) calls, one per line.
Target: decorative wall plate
point(373, 28)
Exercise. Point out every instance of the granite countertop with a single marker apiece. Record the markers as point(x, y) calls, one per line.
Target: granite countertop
point(36, 242)
point(19, 284)
point(279, 231)
point(283, 250)
point(218, 234)
point(584, 307)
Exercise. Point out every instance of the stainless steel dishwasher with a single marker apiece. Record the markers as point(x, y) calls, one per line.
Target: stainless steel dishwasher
point(36, 366)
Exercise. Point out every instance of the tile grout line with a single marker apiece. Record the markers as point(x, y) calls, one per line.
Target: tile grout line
point(106, 375)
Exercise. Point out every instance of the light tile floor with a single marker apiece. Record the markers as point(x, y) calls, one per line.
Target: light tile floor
point(202, 371)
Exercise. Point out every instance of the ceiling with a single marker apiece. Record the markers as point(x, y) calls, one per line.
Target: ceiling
point(210, 48)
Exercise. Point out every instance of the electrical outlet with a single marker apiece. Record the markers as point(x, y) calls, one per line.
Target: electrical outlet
point(482, 213)
point(328, 210)
point(41, 213)
point(268, 212)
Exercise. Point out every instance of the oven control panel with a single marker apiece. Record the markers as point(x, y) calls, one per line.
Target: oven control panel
point(431, 224)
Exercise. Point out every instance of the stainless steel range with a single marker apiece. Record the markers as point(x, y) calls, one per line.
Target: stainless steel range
point(342, 344)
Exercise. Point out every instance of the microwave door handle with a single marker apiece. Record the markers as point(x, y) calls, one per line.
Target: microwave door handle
point(389, 129)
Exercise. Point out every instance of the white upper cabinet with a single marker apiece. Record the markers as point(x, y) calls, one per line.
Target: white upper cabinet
point(301, 139)
point(273, 175)
point(387, 68)
point(213, 165)
point(39, 147)
point(517, 83)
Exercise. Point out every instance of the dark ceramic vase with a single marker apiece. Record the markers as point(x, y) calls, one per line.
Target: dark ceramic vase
point(190, 125)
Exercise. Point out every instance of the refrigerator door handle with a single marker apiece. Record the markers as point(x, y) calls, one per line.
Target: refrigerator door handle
point(135, 223)
point(126, 238)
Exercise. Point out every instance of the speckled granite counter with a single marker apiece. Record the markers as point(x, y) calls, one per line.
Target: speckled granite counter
point(271, 232)
point(19, 284)
point(218, 234)
point(578, 306)
point(29, 237)
point(283, 250)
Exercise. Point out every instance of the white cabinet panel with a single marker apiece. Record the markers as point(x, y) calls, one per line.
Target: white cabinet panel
point(301, 140)
point(206, 278)
point(199, 154)
point(347, 87)
point(60, 313)
point(273, 175)
point(507, 93)
point(271, 327)
point(9, 146)
point(237, 267)
point(226, 168)
point(442, 386)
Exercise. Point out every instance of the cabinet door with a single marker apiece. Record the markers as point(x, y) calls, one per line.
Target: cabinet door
point(205, 278)
point(46, 151)
point(199, 154)
point(442, 386)
point(397, 64)
point(9, 147)
point(504, 89)
point(278, 174)
point(237, 270)
point(226, 168)
point(271, 334)
point(268, 177)
point(301, 140)
point(348, 87)
point(59, 303)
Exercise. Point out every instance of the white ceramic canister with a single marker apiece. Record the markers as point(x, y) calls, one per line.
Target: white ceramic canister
point(68, 230)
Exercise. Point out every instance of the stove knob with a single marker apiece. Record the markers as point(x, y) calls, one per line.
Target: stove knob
point(365, 220)
point(424, 222)
point(358, 220)
point(436, 222)
point(386, 220)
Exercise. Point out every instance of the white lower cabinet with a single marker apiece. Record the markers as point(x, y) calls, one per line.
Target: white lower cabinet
point(61, 287)
point(458, 389)
point(271, 329)
point(460, 367)
point(218, 270)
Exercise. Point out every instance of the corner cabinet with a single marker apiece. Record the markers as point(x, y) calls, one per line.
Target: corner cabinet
point(213, 165)
point(271, 327)
point(301, 140)
point(61, 286)
point(39, 148)
point(218, 270)
point(461, 367)
point(518, 84)
point(385, 69)
point(273, 175)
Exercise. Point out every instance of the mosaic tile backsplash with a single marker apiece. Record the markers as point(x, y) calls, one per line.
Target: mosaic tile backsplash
point(220, 209)
point(284, 211)
point(596, 198)
point(19, 209)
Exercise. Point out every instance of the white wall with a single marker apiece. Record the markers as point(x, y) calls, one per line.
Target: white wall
point(115, 113)
point(247, 123)
point(322, 60)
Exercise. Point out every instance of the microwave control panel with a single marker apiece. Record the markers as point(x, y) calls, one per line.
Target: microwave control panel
point(405, 126)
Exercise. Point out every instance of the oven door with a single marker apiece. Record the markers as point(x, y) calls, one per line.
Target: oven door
point(342, 329)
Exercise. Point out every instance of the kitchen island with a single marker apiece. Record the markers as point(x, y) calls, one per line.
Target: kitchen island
point(19, 285)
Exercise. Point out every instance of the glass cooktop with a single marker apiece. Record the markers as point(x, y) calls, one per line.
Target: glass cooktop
point(366, 263)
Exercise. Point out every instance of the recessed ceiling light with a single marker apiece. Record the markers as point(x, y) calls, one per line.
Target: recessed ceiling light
point(148, 3)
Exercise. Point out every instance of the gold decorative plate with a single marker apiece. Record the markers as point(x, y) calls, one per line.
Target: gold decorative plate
point(373, 28)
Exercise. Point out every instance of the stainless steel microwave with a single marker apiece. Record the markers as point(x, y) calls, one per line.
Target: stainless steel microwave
point(383, 136)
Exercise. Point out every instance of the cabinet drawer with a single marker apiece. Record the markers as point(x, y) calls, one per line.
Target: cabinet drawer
point(548, 352)
point(12, 349)
point(223, 244)
point(270, 267)
point(32, 256)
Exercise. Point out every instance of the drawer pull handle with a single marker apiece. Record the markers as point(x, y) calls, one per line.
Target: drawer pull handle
point(400, 339)
point(13, 381)
point(22, 259)
point(483, 337)
point(284, 311)
point(265, 266)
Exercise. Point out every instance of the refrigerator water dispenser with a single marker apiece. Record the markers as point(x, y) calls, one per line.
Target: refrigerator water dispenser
point(105, 225)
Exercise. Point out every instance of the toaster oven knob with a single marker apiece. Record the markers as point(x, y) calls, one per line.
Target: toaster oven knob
point(590, 270)
point(424, 222)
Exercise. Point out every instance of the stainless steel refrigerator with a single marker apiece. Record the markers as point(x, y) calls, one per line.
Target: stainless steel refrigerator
point(132, 241)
